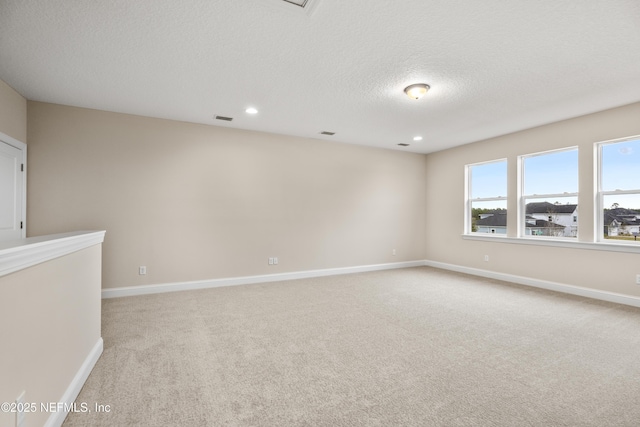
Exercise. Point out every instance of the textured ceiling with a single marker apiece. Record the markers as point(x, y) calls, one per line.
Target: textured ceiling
point(494, 66)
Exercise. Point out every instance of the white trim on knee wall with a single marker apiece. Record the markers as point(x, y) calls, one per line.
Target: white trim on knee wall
point(68, 398)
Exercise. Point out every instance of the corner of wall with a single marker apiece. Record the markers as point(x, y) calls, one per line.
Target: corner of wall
point(13, 113)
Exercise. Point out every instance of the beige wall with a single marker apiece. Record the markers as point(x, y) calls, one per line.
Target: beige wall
point(196, 202)
point(13, 113)
point(608, 271)
point(51, 321)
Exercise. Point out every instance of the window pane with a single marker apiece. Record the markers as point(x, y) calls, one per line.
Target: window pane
point(553, 173)
point(621, 217)
point(489, 217)
point(556, 217)
point(621, 166)
point(489, 180)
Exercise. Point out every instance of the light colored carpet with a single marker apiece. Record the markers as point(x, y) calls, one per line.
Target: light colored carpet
point(411, 347)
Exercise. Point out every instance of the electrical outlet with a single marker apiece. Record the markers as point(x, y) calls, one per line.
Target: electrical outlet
point(393, 252)
point(270, 261)
point(20, 414)
point(275, 260)
point(142, 270)
point(486, 258)
point(637, 279)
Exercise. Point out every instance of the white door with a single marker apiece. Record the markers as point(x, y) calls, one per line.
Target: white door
point(11, 190)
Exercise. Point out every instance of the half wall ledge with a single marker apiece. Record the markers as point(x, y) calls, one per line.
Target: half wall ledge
point(16, 255)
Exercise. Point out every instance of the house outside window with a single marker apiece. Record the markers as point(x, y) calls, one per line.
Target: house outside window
point(618, 192)
point(486, 198)
point(549, 194)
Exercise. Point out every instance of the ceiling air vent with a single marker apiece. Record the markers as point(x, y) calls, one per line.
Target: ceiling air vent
point(305, 6)
point(403, 144)
point(226, 119)
point(301, 3)
point(324, 132)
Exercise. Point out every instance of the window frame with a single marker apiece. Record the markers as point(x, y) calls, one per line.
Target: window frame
point(600, 193)
point(468, 202)
point(522, 197)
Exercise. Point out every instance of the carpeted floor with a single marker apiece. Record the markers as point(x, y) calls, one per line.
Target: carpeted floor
point(411, 347)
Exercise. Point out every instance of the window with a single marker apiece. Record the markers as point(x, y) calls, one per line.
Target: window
point(618, 215)
point(486, 198)
point(549, 194)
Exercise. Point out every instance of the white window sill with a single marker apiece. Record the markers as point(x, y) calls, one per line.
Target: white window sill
point(558, 242)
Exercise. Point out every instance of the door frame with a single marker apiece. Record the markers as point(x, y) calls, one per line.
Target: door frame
point(23, 148)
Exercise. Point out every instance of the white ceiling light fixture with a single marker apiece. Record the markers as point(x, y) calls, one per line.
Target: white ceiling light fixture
point(251, 110)
point(417, 138)
point(417, 91)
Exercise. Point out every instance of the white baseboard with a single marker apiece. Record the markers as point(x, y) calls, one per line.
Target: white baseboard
point(246, 280)
point(552, 286)
point(234, 281)
point(57, 418)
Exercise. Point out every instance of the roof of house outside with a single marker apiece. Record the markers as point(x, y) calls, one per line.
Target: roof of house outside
point(500, 220)
point(496, 220)
point(546, 207)
point(621, 215)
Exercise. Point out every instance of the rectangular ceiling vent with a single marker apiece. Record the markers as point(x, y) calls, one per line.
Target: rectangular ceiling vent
point(305, 7)
point(301, 3)
point(402, 144)
point(227, 119)
point(327, 133)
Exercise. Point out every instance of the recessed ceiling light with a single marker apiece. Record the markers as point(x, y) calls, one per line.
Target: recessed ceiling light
point(417, 90)
point(251, 110)
point(417, 138)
